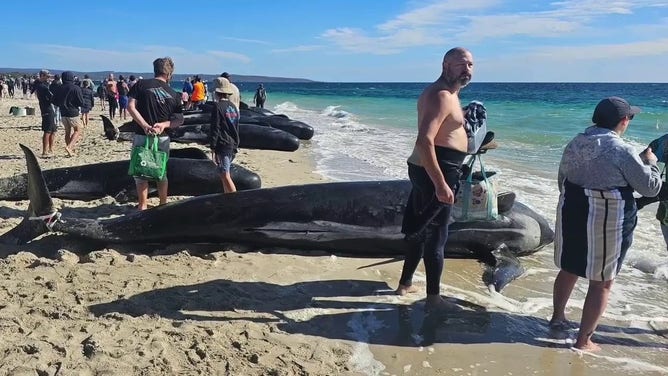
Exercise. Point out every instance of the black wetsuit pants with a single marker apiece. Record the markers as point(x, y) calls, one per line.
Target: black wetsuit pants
point(424, 213)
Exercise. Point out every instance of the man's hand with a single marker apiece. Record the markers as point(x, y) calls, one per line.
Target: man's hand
point(444, 194)
point(158, 128)
point(648, 157)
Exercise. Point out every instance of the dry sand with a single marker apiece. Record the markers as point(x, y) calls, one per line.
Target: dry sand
point(70, 308)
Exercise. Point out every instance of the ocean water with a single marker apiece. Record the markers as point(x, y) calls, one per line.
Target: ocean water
point(365, 131)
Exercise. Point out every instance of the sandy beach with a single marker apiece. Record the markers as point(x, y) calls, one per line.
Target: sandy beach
point(72, 308)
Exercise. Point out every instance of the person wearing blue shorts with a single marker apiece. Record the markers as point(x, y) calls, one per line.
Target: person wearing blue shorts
point(123, 100)
point(224, 132)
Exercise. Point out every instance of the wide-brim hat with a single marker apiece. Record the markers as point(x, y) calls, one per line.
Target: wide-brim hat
point(223, 86)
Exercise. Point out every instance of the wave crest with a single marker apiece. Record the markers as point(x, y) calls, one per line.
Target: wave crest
point(335, 112)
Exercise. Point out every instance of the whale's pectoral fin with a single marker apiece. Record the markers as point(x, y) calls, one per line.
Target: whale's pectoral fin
point(501, 268)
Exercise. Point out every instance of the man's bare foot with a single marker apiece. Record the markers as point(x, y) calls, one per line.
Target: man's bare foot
point(587, 346)
point(69, 151)
point(403, 290)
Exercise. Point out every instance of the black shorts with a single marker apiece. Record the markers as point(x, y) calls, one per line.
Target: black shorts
point(422, 206)
point(49, 123)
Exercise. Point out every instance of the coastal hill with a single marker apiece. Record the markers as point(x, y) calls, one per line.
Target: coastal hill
point(98, 76)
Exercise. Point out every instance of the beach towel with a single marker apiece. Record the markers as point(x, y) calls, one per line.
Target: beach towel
point(593, 230)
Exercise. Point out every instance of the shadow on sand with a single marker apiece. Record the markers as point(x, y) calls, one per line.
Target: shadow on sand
point(357, 310)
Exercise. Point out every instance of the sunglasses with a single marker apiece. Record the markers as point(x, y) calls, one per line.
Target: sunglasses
point(630, 117)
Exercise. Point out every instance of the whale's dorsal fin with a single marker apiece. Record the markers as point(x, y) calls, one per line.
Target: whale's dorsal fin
point(41, 209)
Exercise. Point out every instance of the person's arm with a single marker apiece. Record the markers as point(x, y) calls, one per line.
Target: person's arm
point(560, 178)
point(136, 116)
point(79, 97)
point(176, 119)
point(214, 130)
point(435, 110)
point(48, 95)
point(643, 176)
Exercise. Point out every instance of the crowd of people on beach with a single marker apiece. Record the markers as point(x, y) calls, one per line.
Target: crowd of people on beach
point(10, 85)
point(152, 105)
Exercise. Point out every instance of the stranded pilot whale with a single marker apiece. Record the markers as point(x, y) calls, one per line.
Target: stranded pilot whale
point(359, 218)
point(189, 171)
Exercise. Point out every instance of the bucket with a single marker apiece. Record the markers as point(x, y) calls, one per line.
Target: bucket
point(19, 111)
point(30, 110)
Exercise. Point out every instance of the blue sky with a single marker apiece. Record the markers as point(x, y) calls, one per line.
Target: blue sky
point(346, 40)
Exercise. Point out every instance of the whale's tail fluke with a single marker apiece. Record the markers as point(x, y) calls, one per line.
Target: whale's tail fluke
point(41, 211)
point(504, 268)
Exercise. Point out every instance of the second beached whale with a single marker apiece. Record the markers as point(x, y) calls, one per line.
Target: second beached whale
point(252, 136)
point(189, 171)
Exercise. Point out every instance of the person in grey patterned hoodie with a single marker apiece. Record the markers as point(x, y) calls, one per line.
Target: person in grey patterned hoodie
point(596, 214)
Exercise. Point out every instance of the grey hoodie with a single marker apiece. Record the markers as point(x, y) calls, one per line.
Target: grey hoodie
point(599, 159)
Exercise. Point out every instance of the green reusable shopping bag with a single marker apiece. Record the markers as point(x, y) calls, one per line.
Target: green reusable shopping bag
point(147, 162)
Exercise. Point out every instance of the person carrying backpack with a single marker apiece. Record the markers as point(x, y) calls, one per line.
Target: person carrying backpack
point(260, 96)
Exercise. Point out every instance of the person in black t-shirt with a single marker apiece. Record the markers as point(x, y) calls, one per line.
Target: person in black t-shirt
point(154, 106)
point(49, 127)
point(224, 132)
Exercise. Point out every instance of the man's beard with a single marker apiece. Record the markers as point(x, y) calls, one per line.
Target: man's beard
point(464, 80)
point(461, 80)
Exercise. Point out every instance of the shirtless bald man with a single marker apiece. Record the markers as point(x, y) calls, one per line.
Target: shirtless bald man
point(434, 169)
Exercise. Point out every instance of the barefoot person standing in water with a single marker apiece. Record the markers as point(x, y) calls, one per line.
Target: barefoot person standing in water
point(596, 214)
point(434, 169)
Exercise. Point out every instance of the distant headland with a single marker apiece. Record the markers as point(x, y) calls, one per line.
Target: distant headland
point(100, 75)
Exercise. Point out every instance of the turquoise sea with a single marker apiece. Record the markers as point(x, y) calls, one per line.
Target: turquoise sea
point(365, 131)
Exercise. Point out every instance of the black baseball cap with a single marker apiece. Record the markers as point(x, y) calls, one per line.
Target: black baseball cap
point(611, 110)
